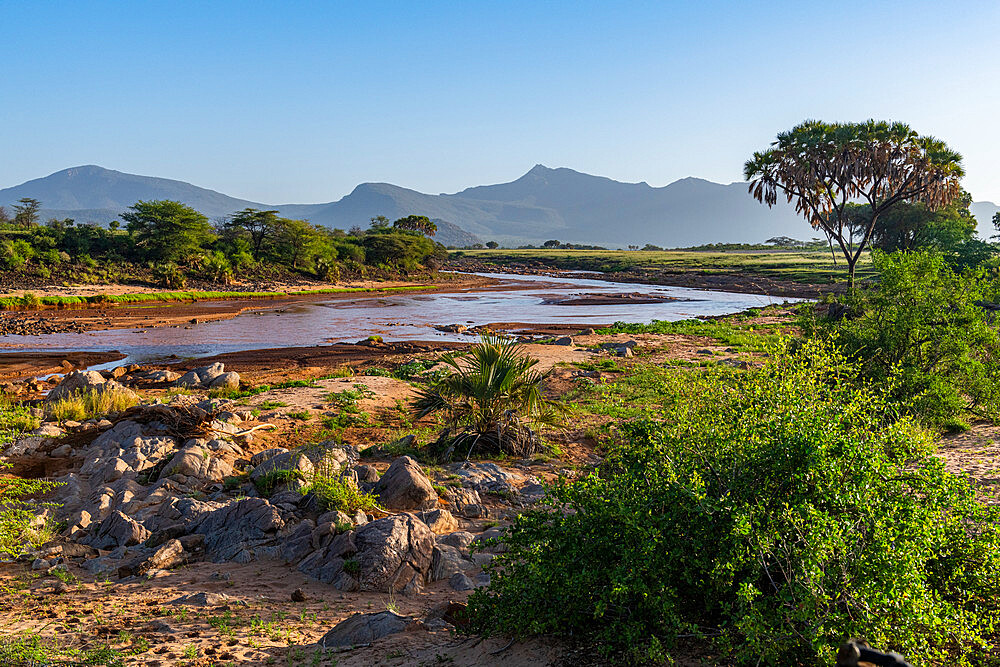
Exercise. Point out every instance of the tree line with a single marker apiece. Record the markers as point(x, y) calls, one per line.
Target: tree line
point(174, 238)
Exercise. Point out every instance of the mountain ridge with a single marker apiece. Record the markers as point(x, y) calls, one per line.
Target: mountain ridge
point(544, 203)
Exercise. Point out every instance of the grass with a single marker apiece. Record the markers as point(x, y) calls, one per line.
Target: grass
point(32, 301)
point(260, 389)
point(806, 266)
point(86, 404)
point(727, 332)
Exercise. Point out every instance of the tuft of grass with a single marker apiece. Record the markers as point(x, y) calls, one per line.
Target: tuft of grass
point(85, 404)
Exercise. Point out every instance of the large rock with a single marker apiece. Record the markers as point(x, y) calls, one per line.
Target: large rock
point(394, 554)
point(195, 460)
point(118, 530)
point(79, 382)
point(448, 560)
point(388, 555)
point(138, 445)
point(287, 461)
point(241, 531)
point(229, 380)
point(440, 521)
point(167, 556)
point(404, 486)
point(362, 629)
point(201, 378)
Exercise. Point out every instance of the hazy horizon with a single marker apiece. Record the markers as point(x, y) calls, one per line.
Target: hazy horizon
point(300, 103)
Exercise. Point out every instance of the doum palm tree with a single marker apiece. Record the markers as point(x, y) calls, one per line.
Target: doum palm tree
point(491, 395)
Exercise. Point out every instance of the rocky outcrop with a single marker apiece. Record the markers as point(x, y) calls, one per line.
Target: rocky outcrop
point(440, 521)
point(117, 530)
point(241, 531)
point(167, 556)
point(202, 378)
point(404, 486)
point(195, 460)
point(392, 554)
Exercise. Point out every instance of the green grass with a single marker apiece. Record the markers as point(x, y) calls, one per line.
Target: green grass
point(32, 301)
point(260, 389)
point(806, 266)
point(727, 332)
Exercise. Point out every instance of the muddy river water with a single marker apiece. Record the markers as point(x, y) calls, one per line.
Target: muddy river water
point(403, 316)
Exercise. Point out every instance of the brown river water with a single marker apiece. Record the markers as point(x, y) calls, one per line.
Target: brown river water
point(403, 316)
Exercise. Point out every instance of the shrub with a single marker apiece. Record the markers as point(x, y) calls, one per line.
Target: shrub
point(336, 494)
point(169, 275)
point(772, 513)
point(485, 393)
point(923, 331)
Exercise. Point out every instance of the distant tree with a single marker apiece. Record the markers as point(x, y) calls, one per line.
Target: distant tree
point(492, 245)
point(379, 222)
point(416, 223)
point(114, 225)
point(295, 240)
point(652, 248)
point(356, 231)
point(913, 226)
point(824, 167)
point(263, 227)
point(551, 244)
point(167, 231)
point(784, 242)
point(26, 212)
point(633, 247)
point(4, 216)
point(996, 221)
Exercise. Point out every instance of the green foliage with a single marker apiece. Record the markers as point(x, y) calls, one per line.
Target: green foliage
point(336, 494)
point(18, 510)
point(84, 404)
point(486, 391)
point(167, 231)
point(922, 332)
point(273, 479)
point(770, 513)
point(725, 332)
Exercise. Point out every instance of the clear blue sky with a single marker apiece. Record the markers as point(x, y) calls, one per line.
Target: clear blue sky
point(298, 102)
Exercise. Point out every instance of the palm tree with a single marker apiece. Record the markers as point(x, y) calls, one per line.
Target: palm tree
point(486, 395)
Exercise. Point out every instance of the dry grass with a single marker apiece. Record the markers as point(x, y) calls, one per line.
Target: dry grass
point(84, 405)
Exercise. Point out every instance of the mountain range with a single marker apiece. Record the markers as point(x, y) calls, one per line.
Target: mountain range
point(542, 204)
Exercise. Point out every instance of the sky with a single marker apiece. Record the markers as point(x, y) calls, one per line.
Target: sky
point(299, 102)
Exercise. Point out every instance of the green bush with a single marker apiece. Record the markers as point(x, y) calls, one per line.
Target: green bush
point(335, 494)
point(923, 331)
point(771, 514)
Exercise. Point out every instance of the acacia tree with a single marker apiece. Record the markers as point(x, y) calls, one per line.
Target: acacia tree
point(167, 231)
point(262, 227)
point(416, 223)
point(26, 212)
point(825, 167)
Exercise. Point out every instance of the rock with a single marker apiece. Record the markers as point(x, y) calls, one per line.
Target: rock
point(115, 469)
point(393, 554)
point(460, 539)
point(366, 474)
point(586, 332)
point(241, 531)
point(201, 378)
point(565, 340)
point(440, 521)
point(260, 457)
point(156, 376)
point(620, 349)
point(119, 530)
point(299, 596)
point(101, 566)
point(452, 328)
point(194, 460)
point(202, 599)
point(364, 629)
point(287, 461)
point(62, 451)
point(74, 382)
point(405, 487)
point(229, 380)
point(168, 556)
point(447, 561)
point(460, 582)
point(48, 431)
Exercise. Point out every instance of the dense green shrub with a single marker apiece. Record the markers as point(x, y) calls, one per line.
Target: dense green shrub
point(923, 330)
point(17, 510)
point(771, 514)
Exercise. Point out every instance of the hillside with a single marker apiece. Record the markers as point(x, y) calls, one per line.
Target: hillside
point(542, 204)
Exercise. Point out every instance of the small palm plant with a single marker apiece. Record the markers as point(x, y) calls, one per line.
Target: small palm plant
point(487, 394)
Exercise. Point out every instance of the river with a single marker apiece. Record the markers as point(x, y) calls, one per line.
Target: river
point(402, 316)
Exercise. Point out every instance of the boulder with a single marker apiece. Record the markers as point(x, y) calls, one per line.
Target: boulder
point(201, 378)
point(440, 521)
point(118, 530)
point(287, 461)
point(404, 486)
point(393, 554)
point(229, 380)
point(76, 381)
point(241, 531)
point(260, 457)
point(460, 538)
point(202, 599)
point(446, 561)
point(362, 629)
point(195, 460)
point(167, 556)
